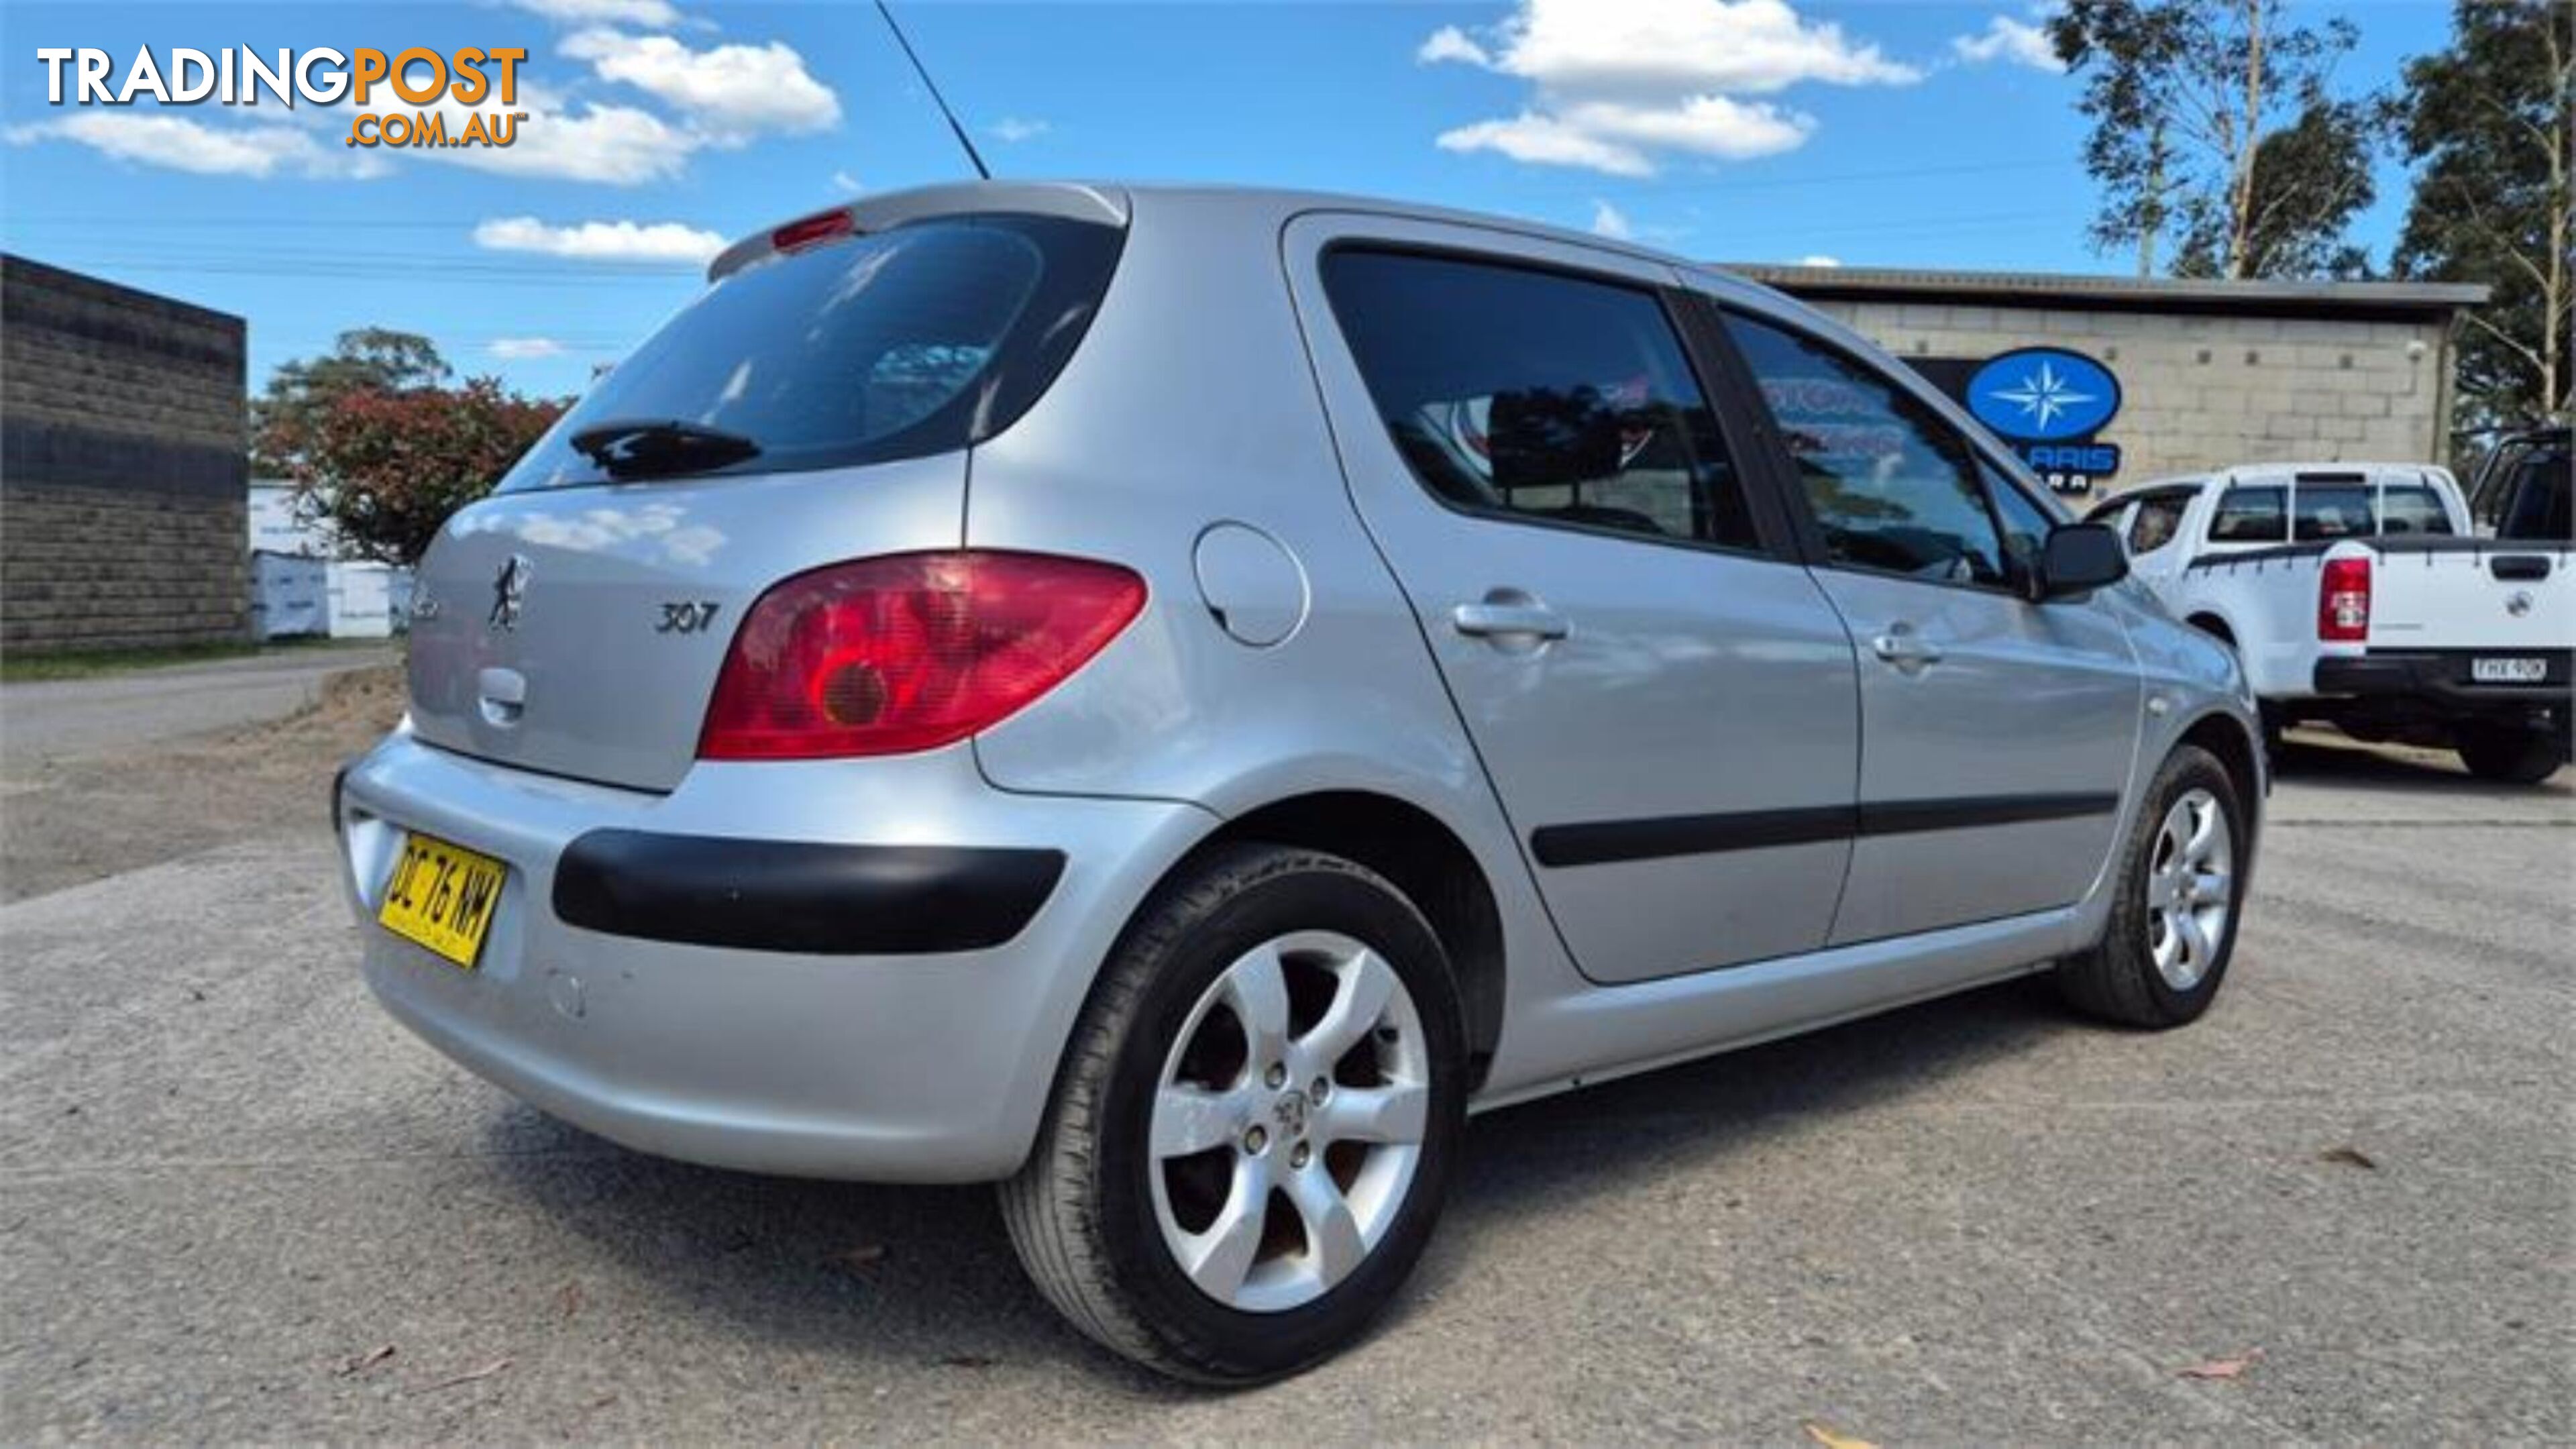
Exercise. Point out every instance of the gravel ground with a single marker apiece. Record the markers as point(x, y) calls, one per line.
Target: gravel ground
point(237, 1203)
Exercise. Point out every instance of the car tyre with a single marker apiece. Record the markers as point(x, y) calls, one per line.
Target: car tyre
point(2511, 754)
point(2181, 889)
point(1111, 1215)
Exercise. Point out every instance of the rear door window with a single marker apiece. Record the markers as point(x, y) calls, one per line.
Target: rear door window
point(918, 340)
point(1539, 396)
point(2251, 514)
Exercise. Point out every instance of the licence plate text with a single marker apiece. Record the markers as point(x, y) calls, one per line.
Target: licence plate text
point(442, 896)
point(2508, 671)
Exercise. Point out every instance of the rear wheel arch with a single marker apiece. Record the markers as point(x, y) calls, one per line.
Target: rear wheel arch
point(2212, 624)
point(1422, 858)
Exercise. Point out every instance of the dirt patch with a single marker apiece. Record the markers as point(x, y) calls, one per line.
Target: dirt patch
point(66, 822)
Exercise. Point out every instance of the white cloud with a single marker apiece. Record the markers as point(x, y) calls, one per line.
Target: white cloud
point(843, 181)
point(1546, 141)
point(517, 349)
point(2012, 40)
point(613, 145)
point(1451, 43)
point(1011, 130)
point(730, 93)
point(1820, 261)
point(652, 14)
point(1617, 81)
point(600, 241)
point(183, 144)
point(1610, 221)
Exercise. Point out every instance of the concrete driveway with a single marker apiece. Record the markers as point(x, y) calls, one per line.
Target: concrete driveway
point(237, 1203)
point(54, 719)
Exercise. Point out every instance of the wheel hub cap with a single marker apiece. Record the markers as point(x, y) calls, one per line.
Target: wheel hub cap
point(2191, 889)
point(1269, 1194)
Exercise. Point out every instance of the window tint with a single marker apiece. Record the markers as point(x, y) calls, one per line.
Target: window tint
point(1539, 396)
point(2251, 515)
point(2158, 519)
point(1893, 488)
point(2412, 508)
point(912, 341)
point(2329, 511)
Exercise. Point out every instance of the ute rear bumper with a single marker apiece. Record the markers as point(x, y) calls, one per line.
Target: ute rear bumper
point(853, 969)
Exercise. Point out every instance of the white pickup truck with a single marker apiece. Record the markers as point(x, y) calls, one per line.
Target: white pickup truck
point(2357, 596)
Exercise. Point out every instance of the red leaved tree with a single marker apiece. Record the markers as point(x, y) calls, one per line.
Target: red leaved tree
point(383, 454)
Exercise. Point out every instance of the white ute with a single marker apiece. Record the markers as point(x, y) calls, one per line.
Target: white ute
point(2357, 597)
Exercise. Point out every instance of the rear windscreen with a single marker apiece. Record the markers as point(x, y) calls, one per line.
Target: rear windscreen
point(923, 339)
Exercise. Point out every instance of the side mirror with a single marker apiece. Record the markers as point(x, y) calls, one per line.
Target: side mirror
point(2077, 559)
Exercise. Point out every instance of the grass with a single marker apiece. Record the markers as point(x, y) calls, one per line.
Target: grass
point(20, 667)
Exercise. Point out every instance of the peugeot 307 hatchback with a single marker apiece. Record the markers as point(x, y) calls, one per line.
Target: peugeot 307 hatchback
point(1168, 699)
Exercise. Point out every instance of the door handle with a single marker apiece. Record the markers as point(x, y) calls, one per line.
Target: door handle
point(1507, 619)
point(1904, 648)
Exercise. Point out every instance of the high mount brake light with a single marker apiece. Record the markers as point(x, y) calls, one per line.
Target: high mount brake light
point(2343, 601)
point(805, 231)
point(909, 652)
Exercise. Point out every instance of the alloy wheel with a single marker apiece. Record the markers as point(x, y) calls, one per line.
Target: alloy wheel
point(1288, 1121)
point(2191, 888)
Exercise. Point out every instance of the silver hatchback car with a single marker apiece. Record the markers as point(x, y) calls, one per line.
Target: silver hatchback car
point(1168, 699)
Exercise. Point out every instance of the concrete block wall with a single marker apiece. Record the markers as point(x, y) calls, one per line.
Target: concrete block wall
point(2204, 391)
point(123, 469)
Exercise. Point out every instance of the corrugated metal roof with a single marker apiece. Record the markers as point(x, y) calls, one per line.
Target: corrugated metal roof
point(2121, 293)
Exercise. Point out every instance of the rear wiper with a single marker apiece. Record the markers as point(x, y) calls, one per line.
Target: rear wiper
point(656, 448)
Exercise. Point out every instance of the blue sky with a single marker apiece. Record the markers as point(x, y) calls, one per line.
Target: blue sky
point(1769, 130)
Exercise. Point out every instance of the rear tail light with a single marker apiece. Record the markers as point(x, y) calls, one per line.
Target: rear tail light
point(2343, 601)
point(908, 652)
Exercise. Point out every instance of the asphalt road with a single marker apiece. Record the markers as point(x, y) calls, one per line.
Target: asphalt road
point(52, 719)
point(237, 1203)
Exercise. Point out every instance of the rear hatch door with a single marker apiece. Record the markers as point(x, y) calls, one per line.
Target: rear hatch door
point(579, 631)
point(815, 404)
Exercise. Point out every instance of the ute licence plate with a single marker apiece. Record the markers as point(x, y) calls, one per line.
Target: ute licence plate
point(442, 896)
point(2508, 671)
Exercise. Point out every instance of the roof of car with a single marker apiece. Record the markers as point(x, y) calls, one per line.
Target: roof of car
point(1112, 202)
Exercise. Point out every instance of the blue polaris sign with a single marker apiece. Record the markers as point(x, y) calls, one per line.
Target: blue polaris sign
point(2043, 395)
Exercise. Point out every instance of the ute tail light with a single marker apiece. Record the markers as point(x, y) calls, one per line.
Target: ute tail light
point(2343, 601)
point(908, 652)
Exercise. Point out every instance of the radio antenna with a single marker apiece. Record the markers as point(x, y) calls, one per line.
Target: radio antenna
point(936, 98)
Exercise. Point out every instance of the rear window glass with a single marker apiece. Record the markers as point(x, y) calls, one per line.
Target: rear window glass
point(2251, 515)
point(2328, 511)
point(923, 339)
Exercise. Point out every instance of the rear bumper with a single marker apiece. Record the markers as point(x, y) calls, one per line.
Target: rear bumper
point(2442, 679)
point(840, 969)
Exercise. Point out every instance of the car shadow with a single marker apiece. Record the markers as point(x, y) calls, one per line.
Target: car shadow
point(926, 1275)
point(2318, 757)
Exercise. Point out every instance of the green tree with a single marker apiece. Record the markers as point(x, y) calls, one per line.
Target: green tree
point(2216, 119)
point(375, 359)
point(379, 450)
point(2490, 123)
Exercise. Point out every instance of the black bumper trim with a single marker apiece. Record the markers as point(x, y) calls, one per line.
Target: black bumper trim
point(2441, 676)
point(776, 895)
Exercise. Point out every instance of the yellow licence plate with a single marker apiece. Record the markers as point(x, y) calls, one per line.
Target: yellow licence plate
point(442, 896)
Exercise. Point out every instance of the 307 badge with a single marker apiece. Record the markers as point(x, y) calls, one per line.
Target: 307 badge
point(442, 896)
